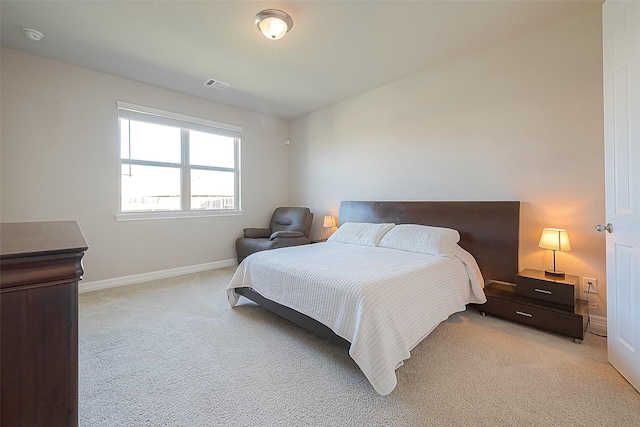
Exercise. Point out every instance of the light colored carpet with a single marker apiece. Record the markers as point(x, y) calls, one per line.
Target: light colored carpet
point(173, 353)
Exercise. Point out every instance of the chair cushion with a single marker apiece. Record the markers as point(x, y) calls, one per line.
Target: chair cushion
point(290, 219)
point(286, 234)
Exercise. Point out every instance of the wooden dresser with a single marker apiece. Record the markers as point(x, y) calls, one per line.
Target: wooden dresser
point(40, 266)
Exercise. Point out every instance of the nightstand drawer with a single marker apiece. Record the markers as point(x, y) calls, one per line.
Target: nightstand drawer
point(534, 284)
point(564, 323)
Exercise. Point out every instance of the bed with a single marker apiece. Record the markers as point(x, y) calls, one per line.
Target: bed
point(370, 290)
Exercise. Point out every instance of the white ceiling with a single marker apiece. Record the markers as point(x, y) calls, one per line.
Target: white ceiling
point(336, 49)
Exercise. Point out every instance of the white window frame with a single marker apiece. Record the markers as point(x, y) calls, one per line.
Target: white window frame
point(185, 123)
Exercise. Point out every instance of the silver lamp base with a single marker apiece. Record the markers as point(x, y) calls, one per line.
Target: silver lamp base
point(554, 273)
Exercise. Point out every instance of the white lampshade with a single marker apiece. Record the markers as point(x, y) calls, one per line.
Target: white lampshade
point(555, 239)
point(329, 221)
point(273, 23)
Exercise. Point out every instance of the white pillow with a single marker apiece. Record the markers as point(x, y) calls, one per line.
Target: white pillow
point(422, 239)
point(360, 233)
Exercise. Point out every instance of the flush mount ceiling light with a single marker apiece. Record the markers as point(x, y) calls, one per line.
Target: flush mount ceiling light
point(32, 34)
point(273, 23)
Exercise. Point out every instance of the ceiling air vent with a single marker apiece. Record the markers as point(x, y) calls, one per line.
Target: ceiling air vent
point(218, 84)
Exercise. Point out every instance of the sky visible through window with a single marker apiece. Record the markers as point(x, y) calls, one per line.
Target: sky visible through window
point(157, 187)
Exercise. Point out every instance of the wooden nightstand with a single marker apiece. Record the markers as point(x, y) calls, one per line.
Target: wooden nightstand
point(538, 300)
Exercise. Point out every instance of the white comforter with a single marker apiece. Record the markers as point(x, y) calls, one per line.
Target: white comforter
point(383, 301)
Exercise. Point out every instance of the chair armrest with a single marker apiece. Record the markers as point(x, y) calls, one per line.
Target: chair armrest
point(286, 234)
point(256, 233)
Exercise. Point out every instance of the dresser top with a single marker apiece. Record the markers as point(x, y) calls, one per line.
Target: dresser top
point(19, 239)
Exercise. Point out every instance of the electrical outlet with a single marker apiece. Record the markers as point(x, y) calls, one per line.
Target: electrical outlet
point(589, 285)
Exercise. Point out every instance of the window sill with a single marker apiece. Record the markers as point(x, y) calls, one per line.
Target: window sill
point(143, 216)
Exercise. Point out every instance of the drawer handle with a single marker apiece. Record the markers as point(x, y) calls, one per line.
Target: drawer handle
point(543, 291)
point(522, 313)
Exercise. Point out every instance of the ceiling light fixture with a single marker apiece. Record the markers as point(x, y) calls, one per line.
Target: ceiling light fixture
point(273, 23)
point(32, 34)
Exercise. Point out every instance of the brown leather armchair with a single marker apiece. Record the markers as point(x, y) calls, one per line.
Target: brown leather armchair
point(289, 226)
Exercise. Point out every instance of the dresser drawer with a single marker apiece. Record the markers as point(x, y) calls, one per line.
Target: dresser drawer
point(560, 291)
point(558, 321)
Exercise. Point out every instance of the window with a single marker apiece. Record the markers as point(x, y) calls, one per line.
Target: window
point(173, 165)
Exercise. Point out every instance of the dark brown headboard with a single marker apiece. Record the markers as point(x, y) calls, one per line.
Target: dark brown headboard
point(488, 230)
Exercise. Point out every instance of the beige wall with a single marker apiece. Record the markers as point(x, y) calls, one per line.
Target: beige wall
point(520, 121)
point(60, 161)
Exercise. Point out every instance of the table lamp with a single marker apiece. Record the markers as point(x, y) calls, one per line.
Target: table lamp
point(555, 239)
point(329, 222)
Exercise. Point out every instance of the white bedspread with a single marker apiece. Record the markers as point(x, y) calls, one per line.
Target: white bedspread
point(383, 301)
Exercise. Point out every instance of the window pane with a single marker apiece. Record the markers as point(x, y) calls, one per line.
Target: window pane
point(150, 188)
point(150, 141)
point(207, 149)
point(212, 190)
point(124, 138)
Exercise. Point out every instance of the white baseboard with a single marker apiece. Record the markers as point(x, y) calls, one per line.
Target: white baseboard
point(154, 275)
point(599, 324)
